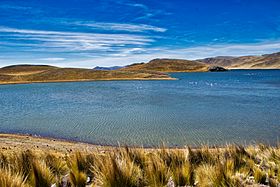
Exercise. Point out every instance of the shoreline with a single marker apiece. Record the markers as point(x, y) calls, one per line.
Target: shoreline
point(21, 142)
point(87, 80)
point(26, 141)
point(15, 141)
point(116, 79)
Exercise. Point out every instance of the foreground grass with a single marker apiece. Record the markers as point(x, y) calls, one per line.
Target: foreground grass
point(229, 166)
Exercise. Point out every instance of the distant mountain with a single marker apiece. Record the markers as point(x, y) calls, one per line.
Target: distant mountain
point(169, 65)
point(268, 61)
point(43, 73)
point(108, 68)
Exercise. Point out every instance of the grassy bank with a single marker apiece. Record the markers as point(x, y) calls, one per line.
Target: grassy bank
point(74, 164)
point(23, 74)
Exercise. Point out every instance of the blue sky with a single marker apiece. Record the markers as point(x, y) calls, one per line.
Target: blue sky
point(87, 33)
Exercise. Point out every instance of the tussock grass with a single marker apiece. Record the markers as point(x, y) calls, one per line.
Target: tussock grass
point(78, 166)
point(120, 167)
point(41, 174)
point(9, 179)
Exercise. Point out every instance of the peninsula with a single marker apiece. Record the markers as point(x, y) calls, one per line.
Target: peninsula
point(42, 73)
point(156, 69)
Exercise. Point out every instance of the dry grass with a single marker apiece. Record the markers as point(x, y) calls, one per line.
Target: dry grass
point(169, 65)
point(229, 166)
point(32, 73)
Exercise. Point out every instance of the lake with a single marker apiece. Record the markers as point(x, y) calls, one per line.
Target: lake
point(239, 106)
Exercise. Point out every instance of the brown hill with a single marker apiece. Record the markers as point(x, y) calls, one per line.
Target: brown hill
point(25, 69)
point(269, 61)
point(169, 65)
point(38, 73)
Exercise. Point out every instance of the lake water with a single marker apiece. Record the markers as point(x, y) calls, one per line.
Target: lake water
point(240, 106)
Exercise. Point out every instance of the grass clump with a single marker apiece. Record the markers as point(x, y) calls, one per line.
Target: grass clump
point(135, 167)
point(42, 175)
point(8, 179)
point(118, 169)
point(157, 172)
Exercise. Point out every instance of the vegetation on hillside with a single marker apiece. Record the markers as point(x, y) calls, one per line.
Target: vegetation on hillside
point(169, 65)
point(39, 73)
point(154, 69)
point(120, 167)
point(268, 61)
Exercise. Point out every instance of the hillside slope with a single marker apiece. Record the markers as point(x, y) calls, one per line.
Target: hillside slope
point(38, 73)
point(268, 61)
point(169, 65)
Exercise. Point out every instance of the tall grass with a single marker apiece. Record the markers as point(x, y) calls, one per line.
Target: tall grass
point(135, 167)
point(9, 179)
point(41, 174)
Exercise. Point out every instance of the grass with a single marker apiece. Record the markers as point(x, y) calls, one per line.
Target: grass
point(40, 73)
point(135, 167)
point(169, 65)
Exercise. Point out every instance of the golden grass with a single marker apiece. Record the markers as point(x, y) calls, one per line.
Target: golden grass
point(40, 74)
point(135, 167)
point(169, 65)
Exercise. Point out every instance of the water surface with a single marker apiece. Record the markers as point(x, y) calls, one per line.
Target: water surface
point(241, 106)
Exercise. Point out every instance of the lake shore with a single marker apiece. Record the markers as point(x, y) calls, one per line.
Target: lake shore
point(87, 80)
point(21, 142)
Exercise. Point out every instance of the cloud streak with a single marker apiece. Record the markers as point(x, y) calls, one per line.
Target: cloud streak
point(120, 27)
point(36, 40)
point(52, 59)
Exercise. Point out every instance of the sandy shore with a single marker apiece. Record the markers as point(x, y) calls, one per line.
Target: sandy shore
point(22, 142)
point(12, 142)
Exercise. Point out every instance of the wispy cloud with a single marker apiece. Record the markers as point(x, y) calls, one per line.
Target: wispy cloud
point(52, 59)
point(121, 27)
point(229, 50)
point(37, 40)
point(146, 12)
point(14, 7)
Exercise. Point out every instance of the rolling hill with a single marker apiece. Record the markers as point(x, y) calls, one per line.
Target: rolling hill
point(169, 65)
point(268, 61)
point(43, 73)
point(154, 69)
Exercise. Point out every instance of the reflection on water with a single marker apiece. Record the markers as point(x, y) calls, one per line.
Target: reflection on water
point(215, 108)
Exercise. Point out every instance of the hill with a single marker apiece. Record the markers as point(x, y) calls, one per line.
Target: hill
point(268, 61)
point(43, 73)
point(169, 65)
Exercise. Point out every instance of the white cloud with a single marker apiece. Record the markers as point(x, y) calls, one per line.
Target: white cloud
point(229, 50)
point(121, 27)
point(40, 40)
point(52, 59)
point(6, 6)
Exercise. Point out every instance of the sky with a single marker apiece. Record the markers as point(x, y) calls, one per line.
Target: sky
point(89, 33)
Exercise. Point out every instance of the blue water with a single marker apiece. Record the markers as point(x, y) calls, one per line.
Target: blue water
point(241, 106)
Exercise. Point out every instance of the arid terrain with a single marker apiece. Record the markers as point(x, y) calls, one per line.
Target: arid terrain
point(169, 65)
point(268, 61)
point(43, 73)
